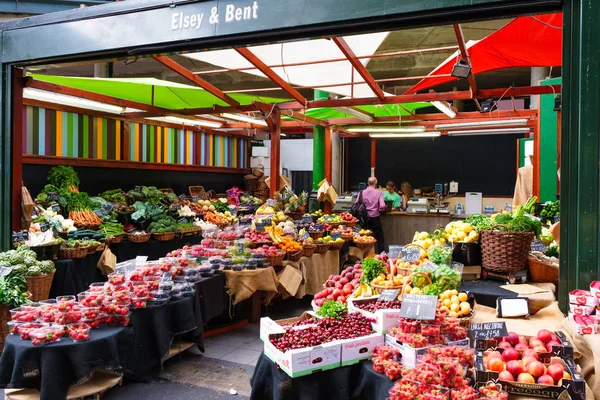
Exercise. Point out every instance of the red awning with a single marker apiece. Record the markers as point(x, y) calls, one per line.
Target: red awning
point(532, 41)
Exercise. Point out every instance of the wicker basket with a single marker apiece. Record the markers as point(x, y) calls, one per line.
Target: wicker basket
point(333, 246)
point(276, 259)
point(256, 245)
point(39, 286)
point(198, 191)
point(322, 248)
point(308, 250)
point(101, 247)
point(114, 239)
point(251, 183)
point(542, 272)
point(505, 251)
point(315, 234)
point(138, 238)
point(258, 171)
point(164, 237)
point(350, 224)
point(91, 249)
point(334, 224)
point(167, 191)
point(294, 255)
point(77, 252)
point(364, 245)
point(348, 238)
point(294, 215)
point(191, 229)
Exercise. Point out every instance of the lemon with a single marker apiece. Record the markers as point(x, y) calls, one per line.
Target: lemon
point(444, 309)
point(465, 307)
point(442, 241)
point(447, 303)
point(454, 299)
point(452, 314)
point(454, 292)
point(461, 235)
point(462, 296)
point(415, 290)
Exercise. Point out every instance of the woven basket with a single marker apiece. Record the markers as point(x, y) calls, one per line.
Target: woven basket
point(348, 238)
point(316, 234)
point(333, 246)
point(542, 272)
point(39, 286)
point(258, 171)
point(505, 251)
point(101, 247)
point(91, 249)
point(294, 215)
point(192, 229)
point(166, 191)
point(256, 245)
point(308, 250)
point(322, 248)
point(334, 224)
point(294, 255)
point(78, 252)
point(198, 191)
point(164, 237)
point(276, 259)
point(350, 224)
point(364, 245)
point(251, 183)
point(138, 238)
point(114, 239)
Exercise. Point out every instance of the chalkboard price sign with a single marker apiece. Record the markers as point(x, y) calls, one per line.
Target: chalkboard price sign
point(410, 254)
point(336, 235)
point(356, 229)
point(260, 226)
point(55, 207)
point(53, 196)
point(318, 227)
point(488, 330)
point(245, 221)
point(417, 306)
point(267, 221)
point(388, 295)
point(20, 237)
point(304, 236)
point(182, 220)
point(182, 197)
point(538, 245)
point(137, 188)
point(44, 226)
point(195, 199)
point(307, 219)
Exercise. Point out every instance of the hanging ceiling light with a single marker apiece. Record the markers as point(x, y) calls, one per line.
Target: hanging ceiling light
point(244, 118)
point(355, 113)
point(185, 121)
point(404, 135)
point(386, 129)
point(483, 124)
point(500, 131)
point(444, 107)
point(72, 101)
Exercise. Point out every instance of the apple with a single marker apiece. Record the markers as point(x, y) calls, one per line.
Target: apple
point(515, 367)
point(344, 281)
point(545, 380)
point(330, 297)
point(510, 354)
point(536, 369)
point(342, 299)
point(318, 296)
point(552, 343)
point(494, 353)
point(504, 345)
point(495, 364)
point(531, 353)
point(512, 338)
point(521, 346)
point(528, 360)
point(544, 335)
point(540, 349)
point(506, 376)
point(536, 342)
point(556, 371)
point(525, 378)
point(348, 291)
point(319, 302)
point(336, 278)
point(349, 276)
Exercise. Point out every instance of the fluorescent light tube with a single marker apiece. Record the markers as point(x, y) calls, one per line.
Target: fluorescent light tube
point(404, 135)
point(387, 129)
point(482, 124)
point(355, 113)
point(444, 107)
point(72, 101)
point(189, 122)
point(500, 131)
point(244, 118)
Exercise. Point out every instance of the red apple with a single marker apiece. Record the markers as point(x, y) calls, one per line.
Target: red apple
point(536, 369)
point(515, 367)
point(552, 343)
point(510, 354)
point(495, 364)
point(512, 338)
point(525, 378)
point(531, 353)
point(535, 342)
point(528, 360)
point(490, 354)
point(504, 345)
point(556, 371)
point(506, 376)
point(545, 380)
point(521, 346)
point(540, 349)
point(344, 281)
point(544, 335)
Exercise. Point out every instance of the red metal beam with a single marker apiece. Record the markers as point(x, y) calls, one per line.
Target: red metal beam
point(358, 66)
point(274, 121)
point(303, 118)
point(460, 38)
point(187, 74)
point(373, 156)
point(17, 147)
point(262, 67)
point(518, 91)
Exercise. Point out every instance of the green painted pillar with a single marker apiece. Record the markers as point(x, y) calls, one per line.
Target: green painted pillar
point(319, 146)
point(580, 163)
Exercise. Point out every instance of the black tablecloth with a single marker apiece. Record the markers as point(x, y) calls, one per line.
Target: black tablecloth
point(53, 368)
point(74, 276)
point(153, 249)
point(355, 382)
point(212, 296)
point(486, 292)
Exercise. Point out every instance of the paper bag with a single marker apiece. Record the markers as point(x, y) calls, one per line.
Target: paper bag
point(290, 279)
point(322, 192)
point(107, 262)
point(332, 195)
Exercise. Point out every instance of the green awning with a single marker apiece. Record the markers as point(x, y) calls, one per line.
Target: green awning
point(170, 95)
point(382, 110)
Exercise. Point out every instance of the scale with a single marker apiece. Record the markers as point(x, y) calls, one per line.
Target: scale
point(509, 277)
point(343, 203)
point(417, 206)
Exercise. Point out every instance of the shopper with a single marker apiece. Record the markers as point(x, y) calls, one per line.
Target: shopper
point(407, 193)
point(391, 195)
point(372, 198)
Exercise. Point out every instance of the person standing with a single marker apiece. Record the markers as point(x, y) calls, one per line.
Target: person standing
point(407, 193)
point(391, 195)
point(372, 198)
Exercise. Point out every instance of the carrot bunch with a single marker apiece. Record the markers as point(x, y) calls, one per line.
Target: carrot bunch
point(217, 219)
point(84, 218)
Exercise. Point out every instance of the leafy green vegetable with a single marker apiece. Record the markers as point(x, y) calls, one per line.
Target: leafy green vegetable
point(440, 255)
point(78, 201)
point(63, 177)
point(147, 193)
point(525, 224)
point(115, 196)
point(13, 289)
point(480, 222)
point(146, 211)
point(221, 207)
point(371, 268)
point(552, 251)
point(332, 309)
point(525, 208)
point(446, 278)
point(503, 219)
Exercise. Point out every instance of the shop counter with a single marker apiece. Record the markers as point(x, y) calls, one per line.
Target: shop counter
point(400, 227)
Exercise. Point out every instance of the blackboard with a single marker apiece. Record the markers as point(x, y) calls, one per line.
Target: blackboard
point(478, 163)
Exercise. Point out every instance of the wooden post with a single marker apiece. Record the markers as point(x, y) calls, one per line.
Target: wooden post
point(373, 156)
point(274, 122)
point(328, 158)
point(17, 147)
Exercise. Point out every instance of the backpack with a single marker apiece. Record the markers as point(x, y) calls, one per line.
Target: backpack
point(359, 211)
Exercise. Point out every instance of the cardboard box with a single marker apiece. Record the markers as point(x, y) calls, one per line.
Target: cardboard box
point(358, 349)
point(564, 351)
point(256, 161)
point(384, 319)
point(583, 298)
point(269, 326)
point(258, 151)
point(575, 387)
point(301, 362)
point(577, 309)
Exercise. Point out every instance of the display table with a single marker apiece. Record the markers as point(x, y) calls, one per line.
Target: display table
point(153, 248)
point(486, 293)
point(74, 276)
point(359, 253)
point(400, 227)
point(315, 271)
point(53, 368)
point(212, 297)
point(357, 381)
point(589, 348)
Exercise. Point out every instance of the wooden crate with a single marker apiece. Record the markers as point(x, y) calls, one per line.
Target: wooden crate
point(471, 273)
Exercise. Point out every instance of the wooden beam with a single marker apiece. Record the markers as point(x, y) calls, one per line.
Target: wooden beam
point(358, 66)
point(187, 74)
point(460, 38)
point(90, 162)
point(17, 147)
point(274, 121)
point(264, 68)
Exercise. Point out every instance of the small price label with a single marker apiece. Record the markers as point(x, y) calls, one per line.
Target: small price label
point(488, 330)
point(388, 295)
point(55, 207)
point(20, 237)
point(267, 221)
point(260, 226)
point(538, 245)
point(307, 219)
point(182, 197)
point(195, 199)
point(183, 220)
point(271, 202)
point(245, 221)
point(137, 188)
point(53, 196)
point(417, 306)
point(410, 254)
point(318, 227)
point(356, 230)
point(336, 235)
point(44, 226)
point(304, 236)
point(394, 251)
point(177, 207)
point(166, 277)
